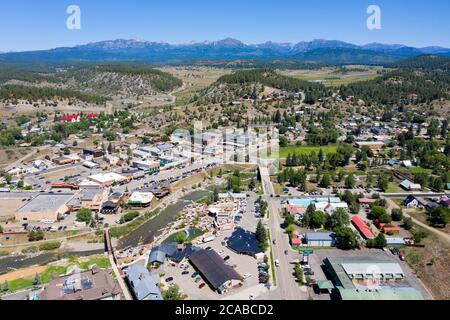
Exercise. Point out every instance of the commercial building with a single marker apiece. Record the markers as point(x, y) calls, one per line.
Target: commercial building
point(410, 186)
point(45, 207)
point(320, 239)
point(362, 227)
point(149, 166)
point(356, 279)
point(144, 285)
point(94, 284)
point(141, 199)
point(210, 265)
point(107, 179)
point(63, 160)
point(244, 242)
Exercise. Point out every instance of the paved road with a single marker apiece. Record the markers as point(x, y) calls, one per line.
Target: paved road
point(287, 287)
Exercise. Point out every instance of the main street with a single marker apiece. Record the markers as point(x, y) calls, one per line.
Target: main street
point(287, 288)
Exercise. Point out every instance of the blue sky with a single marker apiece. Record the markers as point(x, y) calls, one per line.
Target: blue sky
point(31, 24)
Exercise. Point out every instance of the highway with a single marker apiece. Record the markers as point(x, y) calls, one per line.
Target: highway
point(286, 285)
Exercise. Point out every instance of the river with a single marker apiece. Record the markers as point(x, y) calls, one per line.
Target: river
point(148, 231)
point(142, 235)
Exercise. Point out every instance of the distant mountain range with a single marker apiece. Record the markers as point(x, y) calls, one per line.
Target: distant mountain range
point(315, 51)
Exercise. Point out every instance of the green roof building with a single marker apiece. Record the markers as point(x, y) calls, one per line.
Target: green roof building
point(345, 273)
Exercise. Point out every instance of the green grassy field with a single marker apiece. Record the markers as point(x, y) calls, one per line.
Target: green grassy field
point(394, 187)
point(335, 79)
point(416, 170)
point(284, 151)
point(48, 274)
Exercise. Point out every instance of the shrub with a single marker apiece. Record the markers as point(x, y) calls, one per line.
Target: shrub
point(50, 246)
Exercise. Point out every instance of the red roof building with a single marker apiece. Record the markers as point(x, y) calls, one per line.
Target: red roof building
point(296, 241)
point(93, 115)
point(71, 118)
point(362, 228)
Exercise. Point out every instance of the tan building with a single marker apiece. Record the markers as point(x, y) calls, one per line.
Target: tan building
point(45, 206)
point(94, 284)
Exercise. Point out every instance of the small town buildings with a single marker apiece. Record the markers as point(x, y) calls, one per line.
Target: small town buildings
point(354, 279)
point(148, 166)
point(244, 242)
point(107, 179)
point(320, 239)
point(375, 146)
point(410, 186)
point(64, 160)
point(144, 285)
point(96, 153)
point(90, 165)
point(88, 184)
point(362, 227)
point(141, 199)
point(45, 206)
point(412, 202)
point(220, 276)
point(94, 284)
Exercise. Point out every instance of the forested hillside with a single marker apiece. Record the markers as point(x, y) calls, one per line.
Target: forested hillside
point(252, 83)
point(13, 93)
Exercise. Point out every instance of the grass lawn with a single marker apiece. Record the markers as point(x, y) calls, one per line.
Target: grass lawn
point(47, 275)
point(399, 202)
point(193, 233)
point(416, 170)
point(101, 262)
point(278, 188)
point(284, 151)
point(394, 187)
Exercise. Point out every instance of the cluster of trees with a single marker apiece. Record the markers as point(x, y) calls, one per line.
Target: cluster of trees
point(84, 215)
point(234, 182)
point(261, 236)
point(378, 242)
point(401, 87)
point(331, 161)
point(251, 82)
point(427, 152)
point(351, 200)
point(322, 136)
point(296, 178)
point(173, 293)
point(13, 93)
point(439, 216)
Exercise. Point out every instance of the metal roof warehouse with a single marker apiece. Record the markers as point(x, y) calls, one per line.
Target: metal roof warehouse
point(212, 267)
point(44, 206)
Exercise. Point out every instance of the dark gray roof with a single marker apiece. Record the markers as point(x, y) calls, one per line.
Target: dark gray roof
point(170, 250)
point(145, 286)
point(213, 268)
point(244, 242)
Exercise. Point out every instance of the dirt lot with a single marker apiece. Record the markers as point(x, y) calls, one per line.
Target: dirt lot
point(431, 265)
point(9, 206)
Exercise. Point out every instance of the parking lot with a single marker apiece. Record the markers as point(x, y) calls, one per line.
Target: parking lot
point(245, 265)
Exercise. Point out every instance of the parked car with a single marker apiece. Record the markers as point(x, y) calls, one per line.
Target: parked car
point(185, 273)
point(402, 256)
point(198, 280)
point(170, 279)
point(277, 263)
point(201, 286)
point(194, 275)
point(226, 258)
